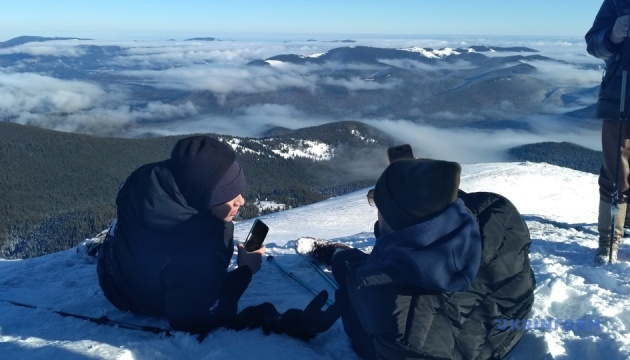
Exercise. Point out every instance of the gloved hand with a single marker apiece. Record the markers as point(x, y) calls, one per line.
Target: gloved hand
point(620, 29)
point(306, 324)
point(264, 315)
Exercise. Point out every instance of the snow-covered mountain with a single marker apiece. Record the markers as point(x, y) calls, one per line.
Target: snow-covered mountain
point(141, 86)
point(558, 204)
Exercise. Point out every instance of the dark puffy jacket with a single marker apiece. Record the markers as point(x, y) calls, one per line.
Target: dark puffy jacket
point(404, 321)
point(164, 258)
point(599, 45)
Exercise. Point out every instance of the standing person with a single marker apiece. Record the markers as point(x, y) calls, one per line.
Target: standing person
point(447, 272)
point(168, 251)
point(605, 41)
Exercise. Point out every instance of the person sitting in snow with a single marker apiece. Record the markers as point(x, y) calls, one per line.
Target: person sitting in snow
point(448, 270)
point(168, 251)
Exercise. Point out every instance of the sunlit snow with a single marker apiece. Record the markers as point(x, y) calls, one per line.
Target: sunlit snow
point(558, 204)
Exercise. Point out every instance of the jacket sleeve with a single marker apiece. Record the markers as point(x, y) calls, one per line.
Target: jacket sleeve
point(597, 38)
point(235, 285)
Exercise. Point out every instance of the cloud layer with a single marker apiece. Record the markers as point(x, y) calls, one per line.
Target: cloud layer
point(214, 70)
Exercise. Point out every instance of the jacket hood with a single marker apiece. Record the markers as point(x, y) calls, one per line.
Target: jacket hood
point(151, 195)
point(442, 254)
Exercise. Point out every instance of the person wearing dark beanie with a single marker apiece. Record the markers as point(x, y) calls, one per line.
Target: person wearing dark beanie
point(412, 190)
point(206, 171)
point(418, 209)
point(428, 289)
point(168, 252)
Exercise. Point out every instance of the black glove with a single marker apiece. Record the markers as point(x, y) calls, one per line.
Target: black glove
point(264, 315)
point(305, 324)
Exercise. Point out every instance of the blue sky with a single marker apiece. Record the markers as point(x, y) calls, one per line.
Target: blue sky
point(149, 19)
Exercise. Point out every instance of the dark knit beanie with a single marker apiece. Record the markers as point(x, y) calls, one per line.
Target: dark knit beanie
point(414, 190)
point(230, 186)
point(199, 164)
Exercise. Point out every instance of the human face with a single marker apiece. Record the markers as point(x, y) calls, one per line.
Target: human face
point(227, 211)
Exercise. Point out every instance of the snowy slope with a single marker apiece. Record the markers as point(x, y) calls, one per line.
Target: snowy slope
point(558, 204)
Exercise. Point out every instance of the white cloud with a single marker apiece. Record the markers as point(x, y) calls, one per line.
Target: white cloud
point(225, 79)
point(448, 115)
point(467, 145)
point(356, 84)
point(219, 67)
point(566, 74)
point(28, 92)
point(414, 65)
point(46, 49)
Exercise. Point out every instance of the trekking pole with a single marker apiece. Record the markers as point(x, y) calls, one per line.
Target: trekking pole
point(103, 320)
point(297, 279)
point(623, 117)
point(332, 282)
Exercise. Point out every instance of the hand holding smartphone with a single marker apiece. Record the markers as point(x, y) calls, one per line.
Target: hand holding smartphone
point(399, 152)
point(256, 236)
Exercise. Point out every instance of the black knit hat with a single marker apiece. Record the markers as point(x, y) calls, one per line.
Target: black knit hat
point(413, 190)
point(231, 185)
point(199, 163)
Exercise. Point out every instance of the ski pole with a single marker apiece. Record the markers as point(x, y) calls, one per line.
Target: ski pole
point(103, 320)
point(271, 259)
point(322, 273)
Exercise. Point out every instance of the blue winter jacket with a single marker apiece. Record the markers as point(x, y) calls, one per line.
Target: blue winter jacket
point(438, 290)
point(441, 254)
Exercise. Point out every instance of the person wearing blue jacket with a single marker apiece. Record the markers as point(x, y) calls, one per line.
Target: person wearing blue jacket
point(427, 242)
point(604, 40)
point(448, 269)
point(168, 252)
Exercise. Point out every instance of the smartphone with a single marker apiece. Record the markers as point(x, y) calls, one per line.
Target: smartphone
point(399, 152)
point(256, 236)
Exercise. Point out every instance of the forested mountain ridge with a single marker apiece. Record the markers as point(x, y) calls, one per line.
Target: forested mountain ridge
point(58, 188)
point(563, 154)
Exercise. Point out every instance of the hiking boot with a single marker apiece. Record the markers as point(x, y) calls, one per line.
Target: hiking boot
point(604, 221)
point(603, 255)
point(318, 249)
point(323, 251)
point(88, 248)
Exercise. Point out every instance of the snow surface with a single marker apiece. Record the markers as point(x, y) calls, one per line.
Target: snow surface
point(306, 149)
point(432, 53)
point(558, 204)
